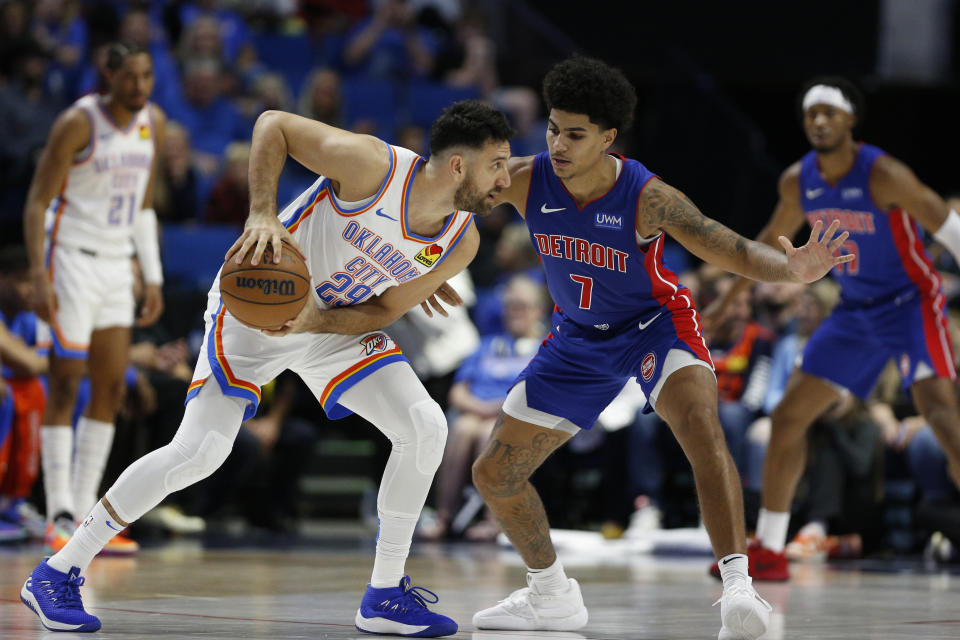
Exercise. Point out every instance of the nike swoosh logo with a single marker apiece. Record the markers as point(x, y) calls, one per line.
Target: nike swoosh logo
point(383, 215)
point(111, 526)
point(544, 209)
point(814, 193)
point(644, 325)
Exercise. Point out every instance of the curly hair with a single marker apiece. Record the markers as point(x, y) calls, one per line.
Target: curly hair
point(593, 88)
point(846, 87)
point(469, 123)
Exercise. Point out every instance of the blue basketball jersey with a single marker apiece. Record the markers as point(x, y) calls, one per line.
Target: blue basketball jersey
point(596, 273)
point(891, 260)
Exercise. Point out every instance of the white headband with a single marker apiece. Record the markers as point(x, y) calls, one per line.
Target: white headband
point(825, 94)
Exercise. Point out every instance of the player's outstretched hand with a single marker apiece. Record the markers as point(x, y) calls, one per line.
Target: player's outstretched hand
point(814, 260)
point(447, 294)
point(257, 232)
point(305, 322)
point(152, 305)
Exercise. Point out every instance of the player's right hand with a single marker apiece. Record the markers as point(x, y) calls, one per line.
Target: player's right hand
point(44, 301)
point(257, 233)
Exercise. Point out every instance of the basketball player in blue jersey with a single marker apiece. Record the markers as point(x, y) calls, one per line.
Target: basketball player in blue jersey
point(892, 305)
point(598, 221)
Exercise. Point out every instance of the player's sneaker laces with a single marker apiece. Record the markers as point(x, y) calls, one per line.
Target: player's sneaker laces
point(402, 611)
point(528, 610)
point(744, 614)
point(55, 597)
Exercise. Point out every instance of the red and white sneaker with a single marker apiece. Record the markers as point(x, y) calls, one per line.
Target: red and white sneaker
point(764, 564)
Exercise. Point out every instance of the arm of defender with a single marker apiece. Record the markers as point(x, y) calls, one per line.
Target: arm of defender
point(356, 163)
point(386, 308)
point(664, 207)
point(521, 170)
point(70, 135)
point(786, 220)
point(893, 185)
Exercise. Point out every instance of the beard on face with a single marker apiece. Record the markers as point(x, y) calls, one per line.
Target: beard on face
point(469, 198)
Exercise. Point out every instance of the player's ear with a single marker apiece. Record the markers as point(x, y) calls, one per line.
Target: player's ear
point(457, 165)
point(608, 136)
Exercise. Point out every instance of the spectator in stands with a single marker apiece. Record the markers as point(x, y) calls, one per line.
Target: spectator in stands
point(59, 28)
point(137, 27)
point(176, 196)
point(230, 28)
point(230, 197)
point(212, 120)
point(389, 45)
point(26, 115)
point(413, 137)
point(267, 91)
point(322, 98)
point(480, 387)
point(24, 342)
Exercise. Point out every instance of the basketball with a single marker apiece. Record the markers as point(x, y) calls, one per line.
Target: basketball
point(266, 295)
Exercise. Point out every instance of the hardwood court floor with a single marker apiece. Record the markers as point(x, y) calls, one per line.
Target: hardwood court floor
point(188, 590)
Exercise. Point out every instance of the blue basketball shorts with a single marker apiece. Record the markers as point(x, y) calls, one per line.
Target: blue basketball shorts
point(853, 345)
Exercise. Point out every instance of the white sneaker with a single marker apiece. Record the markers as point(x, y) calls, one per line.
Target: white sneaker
point(744, 614)
point(528, 610)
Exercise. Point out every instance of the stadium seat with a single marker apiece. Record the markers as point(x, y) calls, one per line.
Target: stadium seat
point(425, 100)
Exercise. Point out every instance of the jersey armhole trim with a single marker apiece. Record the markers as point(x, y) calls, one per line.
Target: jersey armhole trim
point(87, 153)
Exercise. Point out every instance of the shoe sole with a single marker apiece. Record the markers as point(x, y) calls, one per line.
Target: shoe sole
point(569, 623)
point(27, 598)
point(378, 626)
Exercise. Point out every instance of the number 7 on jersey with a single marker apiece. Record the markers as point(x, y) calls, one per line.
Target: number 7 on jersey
point(586, 289)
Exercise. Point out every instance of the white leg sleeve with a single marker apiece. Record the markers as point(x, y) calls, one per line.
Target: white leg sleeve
point(393, 399)
point(203, 441)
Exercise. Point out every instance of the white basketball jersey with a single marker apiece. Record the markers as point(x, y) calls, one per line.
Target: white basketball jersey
point(104, 189)
point(356, 250)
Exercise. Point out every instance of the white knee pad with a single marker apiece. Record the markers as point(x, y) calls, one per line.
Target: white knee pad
point(431, 427)
point(208, 457)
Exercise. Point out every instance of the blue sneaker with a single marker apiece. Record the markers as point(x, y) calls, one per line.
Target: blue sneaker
point(55, 597)
point(402, 611)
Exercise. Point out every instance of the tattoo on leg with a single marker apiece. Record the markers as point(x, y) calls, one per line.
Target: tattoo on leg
point(516, 463)
point(524, 521)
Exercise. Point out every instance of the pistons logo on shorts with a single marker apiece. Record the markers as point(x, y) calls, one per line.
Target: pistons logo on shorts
point(374, 343)
point(904, 365)
point(648, 366)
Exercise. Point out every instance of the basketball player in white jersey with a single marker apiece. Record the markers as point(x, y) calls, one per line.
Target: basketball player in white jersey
point(382, 227)
point(87, 213)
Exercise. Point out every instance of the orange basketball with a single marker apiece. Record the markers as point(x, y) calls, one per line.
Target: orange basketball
point(268, 294)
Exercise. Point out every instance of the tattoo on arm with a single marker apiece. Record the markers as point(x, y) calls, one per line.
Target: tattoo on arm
point(669, 209)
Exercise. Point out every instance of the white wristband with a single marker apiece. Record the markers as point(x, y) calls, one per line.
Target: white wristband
point(147, 243)
point(949, 234)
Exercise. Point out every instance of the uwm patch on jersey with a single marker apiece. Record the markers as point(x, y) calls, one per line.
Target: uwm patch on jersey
point(429, 255)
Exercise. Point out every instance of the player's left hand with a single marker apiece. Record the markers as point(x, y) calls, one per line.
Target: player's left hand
point(305, 322)
point(152, 305)
point(447, 294)
point(814, 260)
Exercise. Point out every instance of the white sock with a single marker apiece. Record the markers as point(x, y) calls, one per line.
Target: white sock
point(94, 439)
point(87, 541)
point(56, 451)
point(393, 545)
point(551, 581)
point(816, 528)
point(772, 529)
point(733, 568)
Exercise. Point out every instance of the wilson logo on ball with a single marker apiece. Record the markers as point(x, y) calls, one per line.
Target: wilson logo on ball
point(429, 255)
point(268, 286)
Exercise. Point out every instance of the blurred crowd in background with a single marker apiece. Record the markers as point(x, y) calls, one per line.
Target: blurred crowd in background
point(876, 482)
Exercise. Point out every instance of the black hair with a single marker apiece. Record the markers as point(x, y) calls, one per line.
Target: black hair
point(13, 259)
point(118, 52)
point(593, 88)
point(849, 90)
point(469, 123)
